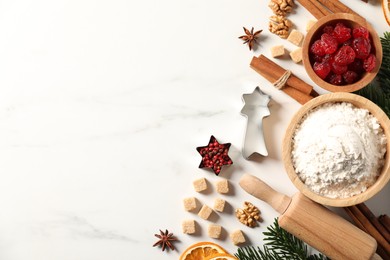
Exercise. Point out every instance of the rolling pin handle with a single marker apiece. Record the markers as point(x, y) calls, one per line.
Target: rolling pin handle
point(262, 191)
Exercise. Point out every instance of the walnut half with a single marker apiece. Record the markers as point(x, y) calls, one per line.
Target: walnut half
point(279, 25)
point(249, 215)
point(281, 7)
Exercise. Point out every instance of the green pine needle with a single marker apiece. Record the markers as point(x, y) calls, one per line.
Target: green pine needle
point(279, 245)
point(286, 244)
point(379, 91)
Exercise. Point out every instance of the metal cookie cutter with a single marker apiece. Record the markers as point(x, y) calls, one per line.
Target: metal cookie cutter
point(255, 109)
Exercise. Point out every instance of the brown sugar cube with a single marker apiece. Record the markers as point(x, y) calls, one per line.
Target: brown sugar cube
point(219, 204)
point(189, 203)
point(277, 51)
point(200, 184)
point(205, 212)
point(310, 24)
point(295, 37)
point(188, 226)
point(222, 186)
point(214, 231)
point(237, 237)
point(296, 55)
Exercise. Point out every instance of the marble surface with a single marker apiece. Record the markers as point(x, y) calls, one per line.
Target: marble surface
point(102, 104)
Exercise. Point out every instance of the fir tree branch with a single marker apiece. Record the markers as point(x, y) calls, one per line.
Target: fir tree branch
point(279, 245)
point(285, 243)
point(252, 253)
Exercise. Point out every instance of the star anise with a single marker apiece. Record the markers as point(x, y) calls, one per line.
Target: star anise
point(165, 239)
point(250, 37)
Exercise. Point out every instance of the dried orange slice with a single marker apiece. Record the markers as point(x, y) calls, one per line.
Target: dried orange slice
point(223, 257)
point(202, 251)
point(386, 10)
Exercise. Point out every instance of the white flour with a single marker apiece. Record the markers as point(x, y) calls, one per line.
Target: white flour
point(338, 150)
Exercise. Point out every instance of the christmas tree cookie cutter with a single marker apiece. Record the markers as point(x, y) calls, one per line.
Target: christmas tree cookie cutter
point(255, 109)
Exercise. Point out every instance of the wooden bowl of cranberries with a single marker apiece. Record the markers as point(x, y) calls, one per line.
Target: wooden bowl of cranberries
point(342, 53)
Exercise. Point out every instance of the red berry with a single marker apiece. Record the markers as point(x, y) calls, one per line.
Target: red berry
point(369, 63)
point(348, 43)
point(356, 66)
point(317, 58)
point(362, 47)
point(329, 43)
point(342, 54)
point(341, 33)
point(328, 29)
point(317, 48)
point(345, 55)
point(328, 57)
point(360, 32)
point(322, 69)
point(338, 69)
point(336, 79)
point(350, 77)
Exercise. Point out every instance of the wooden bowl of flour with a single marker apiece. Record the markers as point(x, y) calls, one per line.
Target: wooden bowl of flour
point(287, 148)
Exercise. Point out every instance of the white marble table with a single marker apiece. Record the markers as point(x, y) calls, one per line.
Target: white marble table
point(102, 104)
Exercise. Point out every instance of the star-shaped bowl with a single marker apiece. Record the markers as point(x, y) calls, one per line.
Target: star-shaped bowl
point(214, 155)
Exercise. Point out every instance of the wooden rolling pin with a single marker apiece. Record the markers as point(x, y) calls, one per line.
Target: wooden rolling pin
point(311, 222)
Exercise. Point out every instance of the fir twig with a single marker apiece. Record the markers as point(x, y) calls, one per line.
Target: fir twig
point(279, 245)
point(252, 253)
point(285, 243)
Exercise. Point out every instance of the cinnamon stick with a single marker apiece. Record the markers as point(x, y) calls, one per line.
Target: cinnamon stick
point(374, 221)
point(370, 228)
point(321, 7)
point(295, 87)
point(297, 95)
point(331, 6)
point(316, 11)
point(343, 8)
point(385, 221)
point(355, 219)
point(272, 72)
point(357, 222)
point(326, 7)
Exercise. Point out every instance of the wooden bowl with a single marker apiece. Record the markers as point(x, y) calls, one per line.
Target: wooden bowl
point(351, 21)
point(359, 102)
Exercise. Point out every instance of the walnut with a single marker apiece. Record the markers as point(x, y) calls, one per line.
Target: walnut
point(249, 215)
point(281, 7)
point(279, 25)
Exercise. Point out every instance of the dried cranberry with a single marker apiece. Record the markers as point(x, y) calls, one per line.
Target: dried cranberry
point(342, 54)
point(345, 55)
point(328, 29)
point(336, 79)
point(350, 77)
point(360, 32)
point(317, 58)
point(328, 57)
point(322, 69)
point(348, 43)
point(356, 66)
point(369, 63)
point(341, 33)
point(338, 69)
point(317, 48)
point(329, 43)
point(362, 47)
